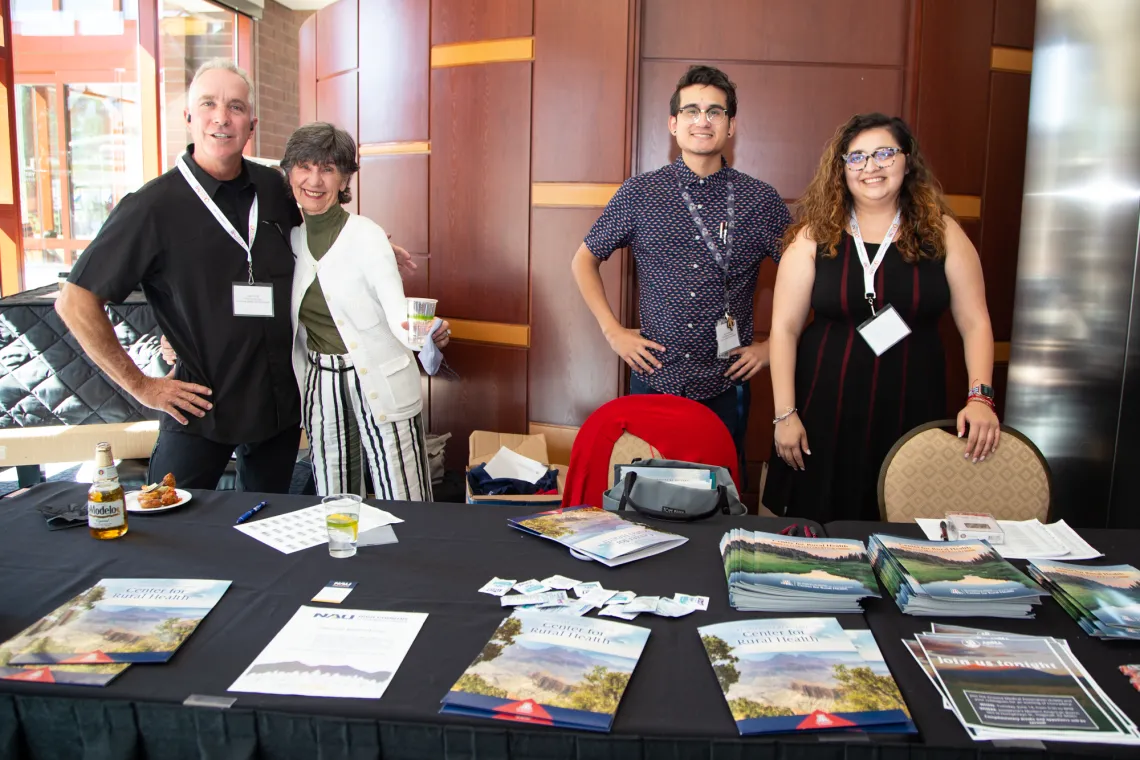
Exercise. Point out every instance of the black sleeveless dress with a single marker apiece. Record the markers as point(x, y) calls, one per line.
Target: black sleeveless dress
point(854, 405)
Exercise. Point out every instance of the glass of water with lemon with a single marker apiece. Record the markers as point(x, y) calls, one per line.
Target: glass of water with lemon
point(342, 518)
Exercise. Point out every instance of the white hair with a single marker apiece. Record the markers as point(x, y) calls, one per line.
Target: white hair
point(223, 64)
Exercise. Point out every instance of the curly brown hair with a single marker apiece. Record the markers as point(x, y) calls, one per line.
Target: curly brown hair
point(826, 206)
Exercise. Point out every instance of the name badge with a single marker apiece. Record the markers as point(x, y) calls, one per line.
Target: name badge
point(253, 300)
point(884, 330)
point(726, 337)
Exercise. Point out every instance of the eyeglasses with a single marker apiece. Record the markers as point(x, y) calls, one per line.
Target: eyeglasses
point(884, 158)
point(692, 114)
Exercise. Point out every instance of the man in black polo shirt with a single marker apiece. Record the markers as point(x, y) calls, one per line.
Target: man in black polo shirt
point(209, 242)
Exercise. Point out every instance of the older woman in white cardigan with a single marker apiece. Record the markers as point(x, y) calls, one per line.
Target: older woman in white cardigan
point(359, 380)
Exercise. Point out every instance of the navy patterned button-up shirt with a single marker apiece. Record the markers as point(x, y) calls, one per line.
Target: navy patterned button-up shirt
point(681, 286)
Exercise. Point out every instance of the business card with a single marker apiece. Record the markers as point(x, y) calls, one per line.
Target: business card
point(335, 592)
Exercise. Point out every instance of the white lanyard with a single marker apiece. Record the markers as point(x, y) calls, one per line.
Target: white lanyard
point(200, 191)
point(870, 267)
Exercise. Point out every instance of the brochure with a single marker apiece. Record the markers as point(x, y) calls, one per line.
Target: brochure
point(71, 675)
point(1008, 687)
point(550, 670)
point(333, 653)
point(798, 674)
point(118, 620)
point(768, 571)
point(596, 534)
point(1104, 599)
point(952, 578)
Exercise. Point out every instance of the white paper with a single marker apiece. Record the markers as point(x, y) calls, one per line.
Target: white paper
point(687, 477)
point(511, 464)
point(305, 528)
point(497, 586)
point(560, 582)
point(1028, 539)
point(333, 653)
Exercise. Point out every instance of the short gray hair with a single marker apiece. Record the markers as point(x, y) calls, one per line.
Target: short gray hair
point(224, 64)
point(322, 144)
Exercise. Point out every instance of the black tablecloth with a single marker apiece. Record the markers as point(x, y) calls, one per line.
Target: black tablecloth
point(672, 709)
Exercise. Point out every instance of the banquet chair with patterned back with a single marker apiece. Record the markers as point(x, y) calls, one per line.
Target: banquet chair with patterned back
point(926, 475)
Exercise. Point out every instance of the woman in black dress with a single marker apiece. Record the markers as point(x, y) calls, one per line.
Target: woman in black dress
point(831, 388)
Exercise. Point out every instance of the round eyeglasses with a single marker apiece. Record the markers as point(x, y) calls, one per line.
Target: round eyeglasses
point(692, 114)
point(884, 158)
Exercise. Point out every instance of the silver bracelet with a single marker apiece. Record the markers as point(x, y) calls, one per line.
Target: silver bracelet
point(784, 416)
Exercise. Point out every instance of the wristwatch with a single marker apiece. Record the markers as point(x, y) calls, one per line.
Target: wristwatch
point(983, 390)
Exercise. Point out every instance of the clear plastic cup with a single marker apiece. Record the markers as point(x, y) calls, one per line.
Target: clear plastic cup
point(342, 518)
point(421, 313)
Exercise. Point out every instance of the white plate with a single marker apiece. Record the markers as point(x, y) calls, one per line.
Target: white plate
point(132, 499)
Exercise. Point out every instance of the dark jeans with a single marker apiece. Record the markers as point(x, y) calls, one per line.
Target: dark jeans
point(265, 466)
point(731, 406)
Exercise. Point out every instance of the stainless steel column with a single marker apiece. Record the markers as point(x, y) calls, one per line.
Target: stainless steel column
point(1074, 347)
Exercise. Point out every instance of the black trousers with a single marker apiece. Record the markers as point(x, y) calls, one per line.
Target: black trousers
point(264, 466)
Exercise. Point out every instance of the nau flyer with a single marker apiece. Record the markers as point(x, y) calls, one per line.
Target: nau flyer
point(599, 535)
point(1015, 686)
point(799, 674)
point(550, 670)
point(120, 620)
point(333, 653)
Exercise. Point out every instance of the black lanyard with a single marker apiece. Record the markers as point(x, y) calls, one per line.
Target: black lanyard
point(722, 260)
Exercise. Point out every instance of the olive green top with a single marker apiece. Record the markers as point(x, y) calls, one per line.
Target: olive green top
point(322, 231)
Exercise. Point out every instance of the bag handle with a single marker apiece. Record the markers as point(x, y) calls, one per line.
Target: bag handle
point(665, 513)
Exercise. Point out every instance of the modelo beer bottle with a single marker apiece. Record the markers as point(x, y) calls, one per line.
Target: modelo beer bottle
point(106, 505)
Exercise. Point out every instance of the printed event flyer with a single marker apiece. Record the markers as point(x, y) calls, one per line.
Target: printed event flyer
point(550, 670)
point(117, 620)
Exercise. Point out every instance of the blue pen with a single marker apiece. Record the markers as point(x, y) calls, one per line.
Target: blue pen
point(251, 512)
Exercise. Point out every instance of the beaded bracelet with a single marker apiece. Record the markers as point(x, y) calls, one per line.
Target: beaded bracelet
point(784, 416)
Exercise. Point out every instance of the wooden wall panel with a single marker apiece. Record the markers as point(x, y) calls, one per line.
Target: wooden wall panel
point(336, 101)
point(1005, 176)
point(394, 70)
point(417, 284)
point(490, 394)
point(1014, 22)
point(953, 97)
point(393, 192)
point(337, 38)
point(471, 20)
point(580, 100)
point(307, 70)
point(480, 190)
point(572, 369)
point(817, 31)
point(785, 116)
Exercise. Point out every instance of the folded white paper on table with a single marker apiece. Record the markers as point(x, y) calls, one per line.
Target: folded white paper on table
point(1028, 539)
point(511, 464)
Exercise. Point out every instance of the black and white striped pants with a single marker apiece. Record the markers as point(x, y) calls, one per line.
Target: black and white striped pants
point(340, 424)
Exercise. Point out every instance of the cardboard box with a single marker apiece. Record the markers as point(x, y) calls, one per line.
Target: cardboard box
point(483, 445)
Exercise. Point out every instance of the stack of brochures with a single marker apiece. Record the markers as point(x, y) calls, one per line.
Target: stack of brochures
point(774, 573)
point(1003, 686)
point(1104, 600)
point(550, 670)
point(963, 578)
point(96, 635)
point(804, 675)
point(592, 533)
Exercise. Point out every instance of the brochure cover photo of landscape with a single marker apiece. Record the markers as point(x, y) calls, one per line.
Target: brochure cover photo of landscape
point(119, 620)
point(550, 670)
point(958, 569)
point(798, 674)
point(835, 566)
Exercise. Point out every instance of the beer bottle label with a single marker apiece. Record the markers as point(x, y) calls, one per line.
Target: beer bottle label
point(110, 472)
point(105, 514)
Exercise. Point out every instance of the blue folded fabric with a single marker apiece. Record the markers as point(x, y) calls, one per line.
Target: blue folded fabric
point(483, 484)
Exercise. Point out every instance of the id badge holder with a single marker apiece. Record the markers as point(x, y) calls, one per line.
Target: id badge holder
point(726, 337)
point(253, 299)
point(884, 330)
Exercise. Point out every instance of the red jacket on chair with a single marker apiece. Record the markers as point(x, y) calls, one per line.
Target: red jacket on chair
point(677, 427)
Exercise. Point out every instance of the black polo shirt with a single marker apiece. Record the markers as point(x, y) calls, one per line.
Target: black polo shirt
point(164, 238)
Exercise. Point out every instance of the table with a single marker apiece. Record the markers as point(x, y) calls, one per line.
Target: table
point(672, 709)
